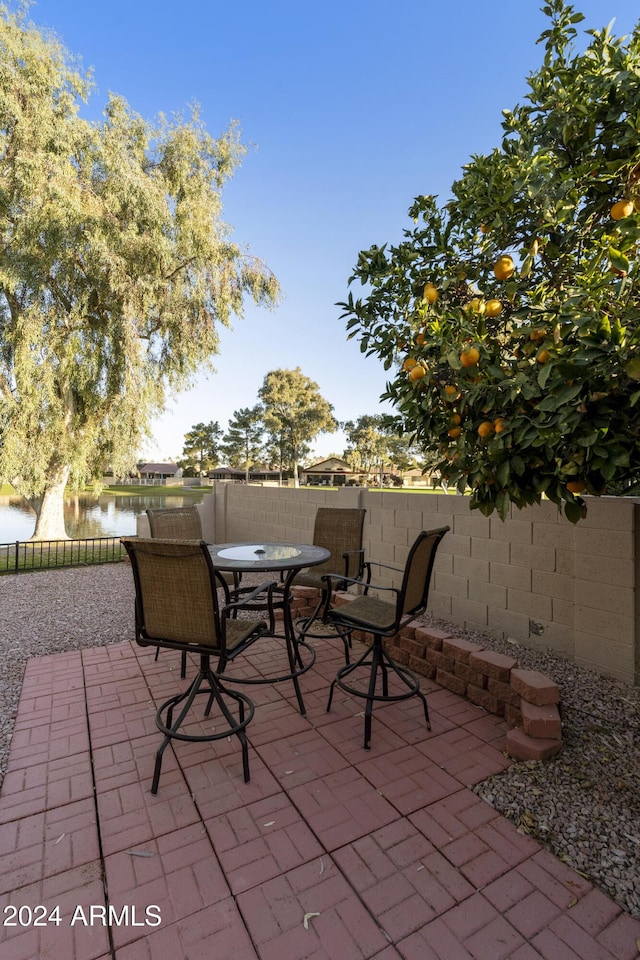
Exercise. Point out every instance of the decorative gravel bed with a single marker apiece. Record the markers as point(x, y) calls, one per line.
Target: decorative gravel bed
point(584, 805)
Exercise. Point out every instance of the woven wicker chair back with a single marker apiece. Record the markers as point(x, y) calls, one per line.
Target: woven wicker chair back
point(176, 523)
point(175, 593)
point(339, 530)
point(417, 573)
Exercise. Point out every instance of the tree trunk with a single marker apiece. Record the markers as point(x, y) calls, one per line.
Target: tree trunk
point(49, 508)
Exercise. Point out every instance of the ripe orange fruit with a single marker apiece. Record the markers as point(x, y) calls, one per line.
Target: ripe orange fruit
point(537, 334)
point(430, 292)
point(417, 372)
point(421, 339)
point(454, 432)
point(408, 364)
point(621, 209)
point(484, 228)
point(499, 425)
point(485, 429)
point(504, 267)
point(450, 391)
point(576, 486)
point(543, 356)
point(476, 305)
point(455, 419)
point(469, 357)
point(492, 308)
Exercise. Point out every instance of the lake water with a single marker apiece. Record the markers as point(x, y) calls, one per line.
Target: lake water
point(85, 516)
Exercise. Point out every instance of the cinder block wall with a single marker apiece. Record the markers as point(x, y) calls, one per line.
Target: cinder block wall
point(535, 578)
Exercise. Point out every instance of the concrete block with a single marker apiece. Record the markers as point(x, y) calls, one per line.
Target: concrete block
point(412, 647)
point(486, 699)
point(509, 624)
point(535, 558)
point(432, 636)
point(503, 691)
point(397, 653)
point(470, 612)
point(453, 586)
point(518, 578)
point(604, 543)
point(497, 550)
point(490, 593)
point(542, 722)
point(512, 715)
point(552, 584)
point(605, 596)
point(439, 660)
point(534, 687)
point(471, 569)
point(535, 605)
point(521, 746)
point(619, 628)
point(511, 531)
point(451, 682)
point(465, 525)
point(592, 568)
point(492, 664)
point(459, 649)
point(422, 667)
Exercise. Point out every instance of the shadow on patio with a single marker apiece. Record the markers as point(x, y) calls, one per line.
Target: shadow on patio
point(330, 851)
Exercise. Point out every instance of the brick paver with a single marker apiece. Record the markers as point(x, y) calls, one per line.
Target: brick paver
point(330, 852)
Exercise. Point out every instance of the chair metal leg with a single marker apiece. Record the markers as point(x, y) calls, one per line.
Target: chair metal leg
point(381, 664)
point(214, 691)
point(183, 663)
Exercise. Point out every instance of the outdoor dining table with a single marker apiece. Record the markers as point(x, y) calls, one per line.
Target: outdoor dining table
point(287, 559)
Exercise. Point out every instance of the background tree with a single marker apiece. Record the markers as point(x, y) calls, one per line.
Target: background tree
point(509, 318)
point(242, 444)
point(295, 412)
point(367, 447)
point(374, 445)
point(115, 272)
point(201, 450)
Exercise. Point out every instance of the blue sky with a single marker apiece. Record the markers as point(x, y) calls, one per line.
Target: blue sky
point(350, 109)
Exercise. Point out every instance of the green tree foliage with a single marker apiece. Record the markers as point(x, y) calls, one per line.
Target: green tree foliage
point(367, 446)
point(527, 379)
point(374, 445)
point(294, 413)
point(242, 444)
point(201, 450)
point(116, 270)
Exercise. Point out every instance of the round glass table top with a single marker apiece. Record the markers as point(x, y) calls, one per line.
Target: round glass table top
point(259, 551)
point(266, 556)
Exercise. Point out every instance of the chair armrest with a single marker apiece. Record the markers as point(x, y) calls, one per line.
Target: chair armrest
point(384, 566)
point(245, 603)
point(328, 577)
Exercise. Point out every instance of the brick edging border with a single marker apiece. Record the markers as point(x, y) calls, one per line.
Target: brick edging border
point(528, 700)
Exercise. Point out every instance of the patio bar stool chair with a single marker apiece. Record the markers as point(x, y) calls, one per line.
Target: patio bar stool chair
point(384, 618)
point(339, 530)
point(181, 523)
point(177, 608)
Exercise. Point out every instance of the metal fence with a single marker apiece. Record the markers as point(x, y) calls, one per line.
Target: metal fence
point(25, 555)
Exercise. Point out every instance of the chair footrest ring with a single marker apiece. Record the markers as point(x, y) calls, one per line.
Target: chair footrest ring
point(302, 627)
point(412, 682)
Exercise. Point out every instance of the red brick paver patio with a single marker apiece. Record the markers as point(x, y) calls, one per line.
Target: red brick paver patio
point(330, 851)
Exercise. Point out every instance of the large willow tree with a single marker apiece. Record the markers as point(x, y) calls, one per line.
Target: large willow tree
point(115, 270)
point(510, 316)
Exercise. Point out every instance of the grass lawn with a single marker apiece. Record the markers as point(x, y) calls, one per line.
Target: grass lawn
point(142, 490)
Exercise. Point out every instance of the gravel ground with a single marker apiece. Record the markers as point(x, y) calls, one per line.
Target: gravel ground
point(584, 805)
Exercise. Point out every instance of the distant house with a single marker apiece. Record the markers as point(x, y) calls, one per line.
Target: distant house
point(159, 471)
point(332, 473)
point(257, 474)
